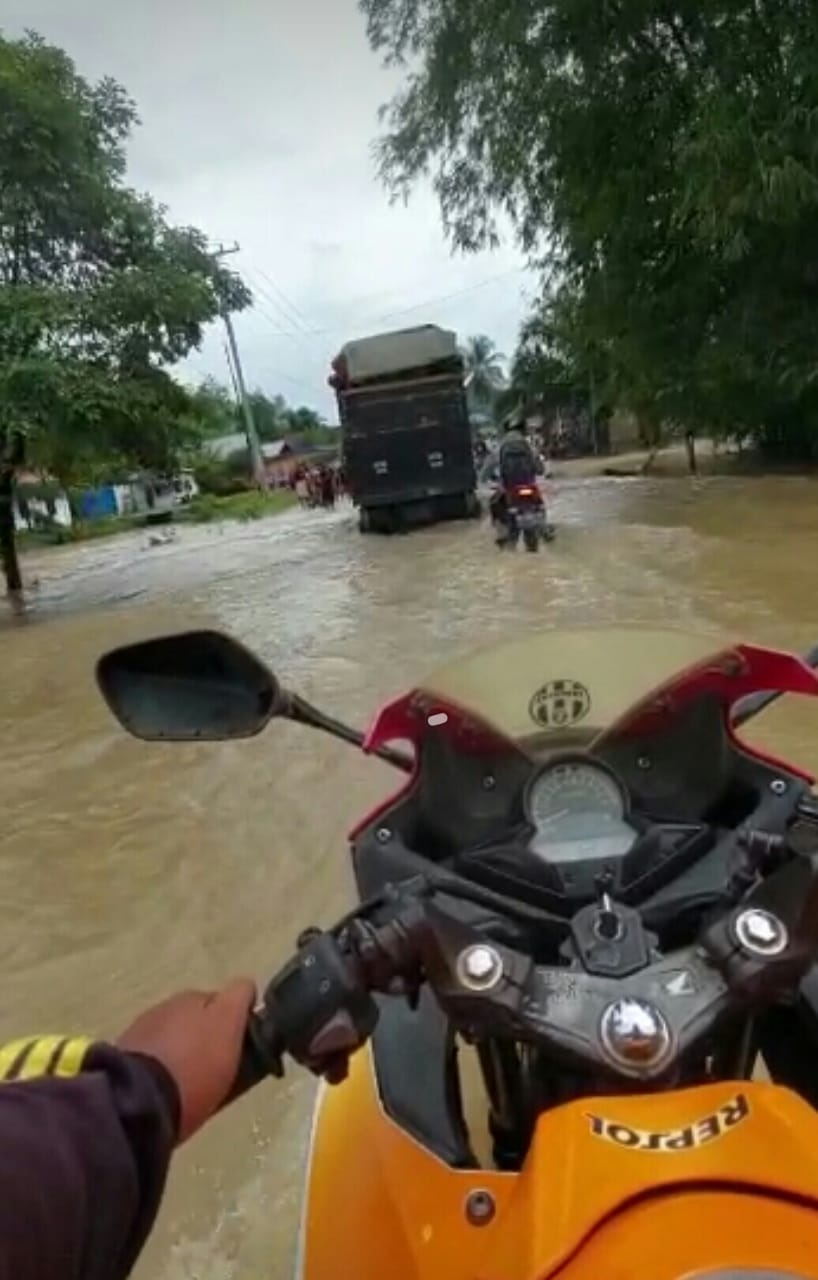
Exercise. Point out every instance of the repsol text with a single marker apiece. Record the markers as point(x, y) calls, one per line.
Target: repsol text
point(698, 1133)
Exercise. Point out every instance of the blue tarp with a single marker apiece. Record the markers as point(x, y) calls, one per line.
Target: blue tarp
point(98, 502)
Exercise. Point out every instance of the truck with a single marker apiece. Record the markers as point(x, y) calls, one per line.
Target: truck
point(407, 451)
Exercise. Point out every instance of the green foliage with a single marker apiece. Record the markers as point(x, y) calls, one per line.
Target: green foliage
point(269, 415)
point(250, 505)
point(659, 159)
point(97, 291)
point(215, 414)
point(275, 419)
point(213, 411)
point(309, 425)
point(222, 478)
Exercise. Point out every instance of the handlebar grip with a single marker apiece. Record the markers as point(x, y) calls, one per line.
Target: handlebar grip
point(260, 1057)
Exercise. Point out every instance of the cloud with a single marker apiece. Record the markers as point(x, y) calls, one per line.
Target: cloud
point(257, 124)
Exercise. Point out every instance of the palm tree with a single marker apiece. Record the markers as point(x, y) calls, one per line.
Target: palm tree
point(484, 371)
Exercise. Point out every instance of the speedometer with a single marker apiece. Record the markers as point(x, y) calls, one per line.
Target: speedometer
point(578, 810)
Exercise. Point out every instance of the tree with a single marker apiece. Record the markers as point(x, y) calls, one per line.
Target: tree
point(308, 424)
point(651, 160)
point(97, 290)
point(213, 410)
point(269, 415)
point(484, 371)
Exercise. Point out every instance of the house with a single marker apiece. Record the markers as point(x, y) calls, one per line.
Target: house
point(40, 501)
point(281, 457)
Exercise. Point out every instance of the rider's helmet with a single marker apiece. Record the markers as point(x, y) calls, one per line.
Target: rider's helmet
point(514, 421)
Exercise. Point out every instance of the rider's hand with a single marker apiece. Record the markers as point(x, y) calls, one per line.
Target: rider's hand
point(197, 1036)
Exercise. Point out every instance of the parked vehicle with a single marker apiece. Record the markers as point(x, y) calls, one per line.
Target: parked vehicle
point(407, 441)
point(590, 882)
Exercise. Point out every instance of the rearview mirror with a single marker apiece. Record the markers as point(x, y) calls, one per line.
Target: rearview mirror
point(194, 686)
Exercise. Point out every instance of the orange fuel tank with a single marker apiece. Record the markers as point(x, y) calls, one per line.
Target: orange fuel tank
point(669, 1186)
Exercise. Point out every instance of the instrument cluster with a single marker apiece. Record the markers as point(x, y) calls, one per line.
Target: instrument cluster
point(578, 810)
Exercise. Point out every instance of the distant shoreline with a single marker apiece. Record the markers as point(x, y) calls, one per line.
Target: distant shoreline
point(671, 463)
point(204, 509)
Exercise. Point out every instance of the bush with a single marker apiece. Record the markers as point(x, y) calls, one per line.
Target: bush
point(249, 505)
point(221, 478)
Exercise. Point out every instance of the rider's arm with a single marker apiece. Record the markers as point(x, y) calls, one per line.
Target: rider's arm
point(87, 1132)
point(83, 1162)
point(489, 471)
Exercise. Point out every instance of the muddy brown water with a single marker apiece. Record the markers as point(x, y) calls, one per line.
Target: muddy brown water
point(128, 870)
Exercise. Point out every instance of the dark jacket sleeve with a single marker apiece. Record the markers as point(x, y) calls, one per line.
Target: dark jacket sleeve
point(83, 1163)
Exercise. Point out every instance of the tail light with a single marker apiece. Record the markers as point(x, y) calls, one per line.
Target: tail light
point(526, 492)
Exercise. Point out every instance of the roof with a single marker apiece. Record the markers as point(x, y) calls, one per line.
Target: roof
point(290, 446)
point(223, 447)
point(276, 449)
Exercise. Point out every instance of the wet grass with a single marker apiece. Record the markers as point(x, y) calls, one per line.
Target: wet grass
point(252, 505)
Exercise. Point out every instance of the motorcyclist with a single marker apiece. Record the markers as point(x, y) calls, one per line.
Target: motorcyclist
point(87, 1131)
point(515, 463)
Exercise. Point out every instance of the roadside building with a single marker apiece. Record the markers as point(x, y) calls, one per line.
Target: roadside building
point(283, 459)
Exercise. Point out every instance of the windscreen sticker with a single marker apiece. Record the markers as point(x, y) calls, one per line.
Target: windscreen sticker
point(560, 704)
point(669, 1141)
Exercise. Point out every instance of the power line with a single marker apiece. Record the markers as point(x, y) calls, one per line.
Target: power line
point(390, 315)
point(290, 305)
point(271, 320)
point(448, 297)
point(296, 336)
point(286, 377)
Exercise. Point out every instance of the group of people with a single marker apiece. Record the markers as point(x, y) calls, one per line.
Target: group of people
point(318, 486)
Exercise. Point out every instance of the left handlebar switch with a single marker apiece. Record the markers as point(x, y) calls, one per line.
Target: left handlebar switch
point(320, 1007)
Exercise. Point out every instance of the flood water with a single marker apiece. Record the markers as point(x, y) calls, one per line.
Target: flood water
point(129, 870)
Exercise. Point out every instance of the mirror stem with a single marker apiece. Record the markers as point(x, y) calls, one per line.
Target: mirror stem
point(302, 712)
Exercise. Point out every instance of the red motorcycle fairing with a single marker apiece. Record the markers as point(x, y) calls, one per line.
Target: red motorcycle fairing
point(730, 675)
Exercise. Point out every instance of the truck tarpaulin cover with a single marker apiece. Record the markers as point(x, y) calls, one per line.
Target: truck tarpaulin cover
point(396, 353)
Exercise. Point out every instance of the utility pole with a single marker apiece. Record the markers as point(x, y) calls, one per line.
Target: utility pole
point(253, 445)
point(229, 362)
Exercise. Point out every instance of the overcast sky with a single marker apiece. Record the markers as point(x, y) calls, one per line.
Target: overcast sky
point(257, 121)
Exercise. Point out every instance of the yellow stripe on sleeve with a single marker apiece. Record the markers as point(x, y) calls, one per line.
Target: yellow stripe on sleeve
point(38, 1060)
point(10, 1053)
point(71, 1057)
point(34, 1057)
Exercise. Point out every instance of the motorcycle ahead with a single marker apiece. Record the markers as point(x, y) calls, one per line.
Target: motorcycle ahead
point(592, 889)
point(523, 515)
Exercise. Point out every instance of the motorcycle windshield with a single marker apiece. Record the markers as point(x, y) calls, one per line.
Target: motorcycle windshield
point(565, 688)
point(591, 689)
